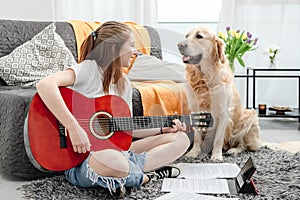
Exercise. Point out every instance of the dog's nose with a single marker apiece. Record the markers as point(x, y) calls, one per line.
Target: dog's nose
point(182, 46)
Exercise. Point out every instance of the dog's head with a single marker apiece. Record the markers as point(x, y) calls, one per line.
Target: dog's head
point(199, 43)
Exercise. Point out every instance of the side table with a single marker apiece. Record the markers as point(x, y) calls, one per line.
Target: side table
point(254, 76)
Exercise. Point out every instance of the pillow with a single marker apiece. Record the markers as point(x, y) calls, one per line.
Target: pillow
point(148, 68)
point(43, 55)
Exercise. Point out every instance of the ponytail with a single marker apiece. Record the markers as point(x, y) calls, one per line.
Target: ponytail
point(86, 47)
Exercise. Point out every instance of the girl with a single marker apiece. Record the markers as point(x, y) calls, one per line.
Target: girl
point(99, 72)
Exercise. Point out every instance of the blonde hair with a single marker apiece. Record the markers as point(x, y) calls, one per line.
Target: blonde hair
point(103, 46)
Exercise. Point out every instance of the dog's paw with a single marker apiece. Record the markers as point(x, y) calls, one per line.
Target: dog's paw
point(216, 157)
point(192, 154)
point(234, 151)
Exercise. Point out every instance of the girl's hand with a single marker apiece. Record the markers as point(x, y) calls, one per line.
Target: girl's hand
point(79, 139)
point(178, 126)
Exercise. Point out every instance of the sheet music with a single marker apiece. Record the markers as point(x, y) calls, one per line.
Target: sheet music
point(208, 170)
point(204, 186)
point(190, 196)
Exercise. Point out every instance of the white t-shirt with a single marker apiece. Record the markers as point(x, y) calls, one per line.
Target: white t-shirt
point(89, 82)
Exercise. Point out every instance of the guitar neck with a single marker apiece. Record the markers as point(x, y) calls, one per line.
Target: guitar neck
point(145, 122)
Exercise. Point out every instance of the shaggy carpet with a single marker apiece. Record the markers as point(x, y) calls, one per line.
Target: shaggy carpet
point(277, 177)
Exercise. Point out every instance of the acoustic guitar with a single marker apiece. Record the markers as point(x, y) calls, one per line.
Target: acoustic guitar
point(106, 120)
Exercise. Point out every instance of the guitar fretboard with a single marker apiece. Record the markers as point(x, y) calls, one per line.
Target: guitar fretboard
point(145, 122)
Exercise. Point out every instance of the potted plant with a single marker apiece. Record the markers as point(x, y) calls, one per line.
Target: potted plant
point(237, 44)
point(272, 51)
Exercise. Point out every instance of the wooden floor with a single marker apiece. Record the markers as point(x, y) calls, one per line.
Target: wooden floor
point(280, 130)
point(281, 134)
point(279, 124)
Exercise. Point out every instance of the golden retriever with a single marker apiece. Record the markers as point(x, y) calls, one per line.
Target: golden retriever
point(211, 88)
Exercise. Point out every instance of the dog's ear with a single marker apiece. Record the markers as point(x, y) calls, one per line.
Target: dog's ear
point(220, 50)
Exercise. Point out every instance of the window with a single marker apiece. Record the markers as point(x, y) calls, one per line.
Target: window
point(182, 15)
point(176, 17)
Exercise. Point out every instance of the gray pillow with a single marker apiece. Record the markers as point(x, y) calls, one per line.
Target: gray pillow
point(45, 54)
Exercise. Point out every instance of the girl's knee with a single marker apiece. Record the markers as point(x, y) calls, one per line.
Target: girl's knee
point(110, 163)
point(183, 139)
point(180, 138)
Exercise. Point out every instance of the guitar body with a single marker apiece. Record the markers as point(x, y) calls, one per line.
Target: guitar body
point(44, 130)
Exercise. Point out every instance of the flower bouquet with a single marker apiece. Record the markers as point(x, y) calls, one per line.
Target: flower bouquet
point(271, 51)
point(237, 44)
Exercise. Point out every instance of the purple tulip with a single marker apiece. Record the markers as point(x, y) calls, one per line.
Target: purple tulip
point(249, 35)
point(255, 41)
point(228, 28)
point(248, 41)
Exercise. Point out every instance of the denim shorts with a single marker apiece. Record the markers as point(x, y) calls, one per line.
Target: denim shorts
point(84, 176)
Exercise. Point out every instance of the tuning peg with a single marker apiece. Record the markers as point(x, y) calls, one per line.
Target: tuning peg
point(201, 129)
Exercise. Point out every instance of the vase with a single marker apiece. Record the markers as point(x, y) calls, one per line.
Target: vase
point(272, 64)
point(231, 65)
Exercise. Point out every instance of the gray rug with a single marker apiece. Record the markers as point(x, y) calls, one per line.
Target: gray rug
point(277, 177)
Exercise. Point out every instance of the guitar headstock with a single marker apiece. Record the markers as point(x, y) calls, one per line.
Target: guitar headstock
point(201, 120)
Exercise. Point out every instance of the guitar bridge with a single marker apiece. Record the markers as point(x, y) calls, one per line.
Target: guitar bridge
point(62, 136)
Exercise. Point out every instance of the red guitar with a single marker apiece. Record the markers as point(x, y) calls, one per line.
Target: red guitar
point(106, 120)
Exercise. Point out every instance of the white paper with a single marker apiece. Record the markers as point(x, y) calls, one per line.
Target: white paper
point(204, 186)
point(190, 196)
point(208, 170)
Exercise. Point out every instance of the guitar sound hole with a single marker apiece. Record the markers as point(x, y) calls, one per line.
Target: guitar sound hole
point(100, 125)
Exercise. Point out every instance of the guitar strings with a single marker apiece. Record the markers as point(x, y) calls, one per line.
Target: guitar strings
point(137, 122)
point(139, 119)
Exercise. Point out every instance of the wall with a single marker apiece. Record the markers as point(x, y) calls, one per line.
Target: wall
point(40, 10)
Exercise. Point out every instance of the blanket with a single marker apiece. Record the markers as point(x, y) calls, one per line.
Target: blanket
point(83, 28)
point(162, 97)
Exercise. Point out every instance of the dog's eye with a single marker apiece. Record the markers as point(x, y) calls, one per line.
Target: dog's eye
point(198, 36)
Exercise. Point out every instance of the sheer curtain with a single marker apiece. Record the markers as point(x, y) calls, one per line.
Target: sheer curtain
point(273, 22)
point(143, 12)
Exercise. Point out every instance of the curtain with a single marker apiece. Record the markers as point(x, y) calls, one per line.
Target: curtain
point(273, 22)
point(143, 12)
